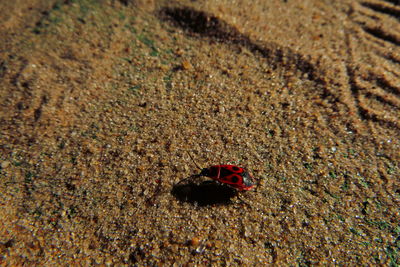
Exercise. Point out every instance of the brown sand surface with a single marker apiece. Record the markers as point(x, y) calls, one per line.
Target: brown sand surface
point(101, 101)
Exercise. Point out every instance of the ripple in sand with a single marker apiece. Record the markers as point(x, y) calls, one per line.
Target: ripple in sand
point(374, 65)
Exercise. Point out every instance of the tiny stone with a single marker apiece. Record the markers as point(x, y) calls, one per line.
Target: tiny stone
point(186, 65)
point(194, 241)
point(5, 164)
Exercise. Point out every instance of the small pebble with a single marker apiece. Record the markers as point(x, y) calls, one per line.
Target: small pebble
point(194, 241)
point(186, 65)
point(5, 164)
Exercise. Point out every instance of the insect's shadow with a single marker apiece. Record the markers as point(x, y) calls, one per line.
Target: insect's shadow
point(204, 194)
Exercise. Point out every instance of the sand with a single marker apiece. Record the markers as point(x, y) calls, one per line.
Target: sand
point(102, 102)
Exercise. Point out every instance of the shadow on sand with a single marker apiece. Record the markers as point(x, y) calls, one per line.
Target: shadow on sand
point(204, 194)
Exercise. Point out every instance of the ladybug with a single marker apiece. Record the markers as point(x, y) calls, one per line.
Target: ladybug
point(232, 175)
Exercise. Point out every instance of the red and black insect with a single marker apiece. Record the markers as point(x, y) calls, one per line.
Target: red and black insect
point(231, 175)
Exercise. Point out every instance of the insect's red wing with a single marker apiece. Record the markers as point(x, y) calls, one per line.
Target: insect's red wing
point(234, 180)
point(232, 168)
point(218, 171)
point(232, 175)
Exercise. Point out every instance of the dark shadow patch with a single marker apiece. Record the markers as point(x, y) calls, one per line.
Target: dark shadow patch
point(394, 2)
point(125, 2)
point(205, 194)
point(203, 24)
point(137, 255)
point(37, 113)
point(384, 35)
point(3, 69)
point(9, 243)
point(44, 20)
point(200, 22)
point(380, 7)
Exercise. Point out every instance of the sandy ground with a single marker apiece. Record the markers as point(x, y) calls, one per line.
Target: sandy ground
point(101, 102)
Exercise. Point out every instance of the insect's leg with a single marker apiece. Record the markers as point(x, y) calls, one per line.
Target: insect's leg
point(200, 168)
point(189, 178)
